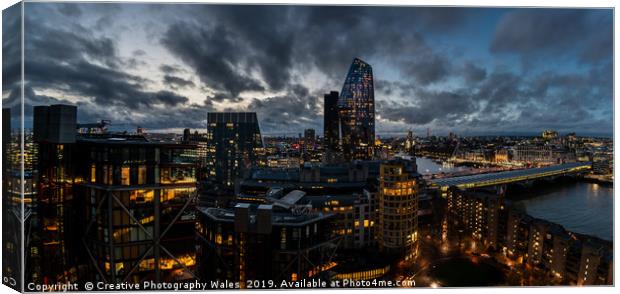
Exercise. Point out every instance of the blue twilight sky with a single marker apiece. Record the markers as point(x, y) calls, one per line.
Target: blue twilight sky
point(465, 70)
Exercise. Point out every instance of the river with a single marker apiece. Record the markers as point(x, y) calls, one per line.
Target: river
point(580, 207)
point(428, 166)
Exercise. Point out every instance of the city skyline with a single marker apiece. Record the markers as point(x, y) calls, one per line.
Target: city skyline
point(466, 70)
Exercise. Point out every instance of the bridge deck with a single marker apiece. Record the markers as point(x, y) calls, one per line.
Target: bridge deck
point(497, 178)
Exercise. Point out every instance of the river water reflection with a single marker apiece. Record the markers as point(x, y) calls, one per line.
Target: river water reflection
point(581, 207)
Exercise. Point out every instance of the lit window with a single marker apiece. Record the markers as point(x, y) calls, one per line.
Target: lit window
point(125, 176)
point(93, 174)
point(141, 175)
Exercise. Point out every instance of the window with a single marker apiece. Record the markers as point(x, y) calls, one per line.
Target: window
point(283, 238)
point(107, 175)
point(142, 196)
point(93, 174)
point(125, 175)
point(141, 175)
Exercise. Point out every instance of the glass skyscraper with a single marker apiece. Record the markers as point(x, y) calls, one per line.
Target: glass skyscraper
point(330, 122)
point(357, 112)
point(234, 141)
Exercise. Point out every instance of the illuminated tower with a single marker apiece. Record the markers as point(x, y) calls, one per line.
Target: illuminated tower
point(138, 201)
point(397, 232)
point(54, 132)
point(410, 144)
point(357, 112)
point(234, 140)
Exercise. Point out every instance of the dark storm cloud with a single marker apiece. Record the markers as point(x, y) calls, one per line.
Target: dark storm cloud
point(70, 10)
point(11, 48)
point(334, 35)
point(440, 19)
point(132, 63)
point(170, 69)
point(14, 100)
point(385, 87)
point(138, 52)
point(56, 44)
point(75, 61)
point(222, 97)
point(292, 112)
point(106, 15)
point(324, 37)
point(263, 29)
point(274, 41)
point(168, 98)
point(214, 54)
point(499, 90)
point(472, 73)
point(600, 45)
point(429, 106)
point(105, 86)
point(555, 31)
point(428, 69)
point(177, 82)
point(538, 29)
point(268, 52)
point(565, 102)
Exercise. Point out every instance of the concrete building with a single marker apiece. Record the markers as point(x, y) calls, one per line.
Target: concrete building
point(533, 154)
point(476, 213)
point(397, 215)
point(518, 234)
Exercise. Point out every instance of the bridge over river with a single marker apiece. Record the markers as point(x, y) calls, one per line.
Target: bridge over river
point(513, 176)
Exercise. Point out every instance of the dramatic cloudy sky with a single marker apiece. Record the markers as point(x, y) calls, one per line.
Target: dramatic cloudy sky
point(471, 70)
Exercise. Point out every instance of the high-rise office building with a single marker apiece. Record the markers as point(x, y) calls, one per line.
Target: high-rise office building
point(397, 231)
point(110, 207)
point(309, 139)
point(357, 112)
point(139, 208)
point(11, 202)
point(234, 140)
point(202, 151)
point(54, 133)
point(331, 129)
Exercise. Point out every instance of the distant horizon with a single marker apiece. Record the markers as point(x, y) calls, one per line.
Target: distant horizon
point(382, 134)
